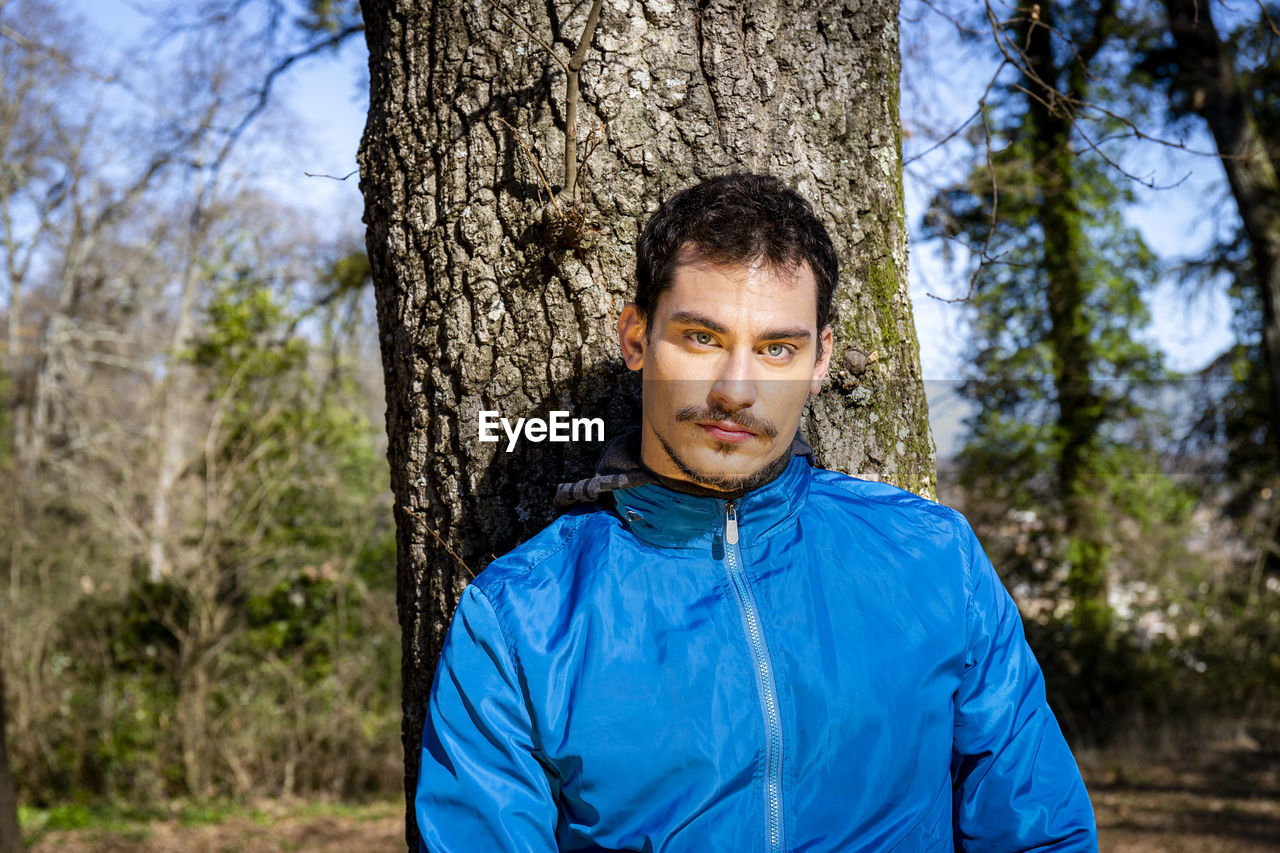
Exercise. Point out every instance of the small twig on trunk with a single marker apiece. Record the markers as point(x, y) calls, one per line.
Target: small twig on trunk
point(571, 100)
point(531, 34)
point(571, 69)
point(528, 154)
point(422, 519)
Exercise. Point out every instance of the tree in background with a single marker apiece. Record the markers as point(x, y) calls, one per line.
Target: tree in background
point(1231, 84)
point(508, 165)
point(1061, 454)
point(197, 600)
point(290, 573)
point(1229, 79)
point(1119, 84)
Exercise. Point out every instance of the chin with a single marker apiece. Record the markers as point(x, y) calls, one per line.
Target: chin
point(727, 474)
point(725, 466)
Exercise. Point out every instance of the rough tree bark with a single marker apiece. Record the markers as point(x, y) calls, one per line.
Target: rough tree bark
point(488, 299)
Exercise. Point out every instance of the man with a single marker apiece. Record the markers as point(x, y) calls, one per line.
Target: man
point(724, 648)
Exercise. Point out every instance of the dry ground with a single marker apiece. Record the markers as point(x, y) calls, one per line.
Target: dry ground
point(314, 834)
point(272, 827)
point(1223, 798)
point(1221, 795)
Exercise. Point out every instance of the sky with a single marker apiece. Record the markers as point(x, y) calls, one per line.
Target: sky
point(324, 96)
point(321, 100)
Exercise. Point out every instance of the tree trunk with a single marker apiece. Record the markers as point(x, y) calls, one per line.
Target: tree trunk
point(1080, 410)
point(492, 298)
point(1206, 72)
point(10, 835)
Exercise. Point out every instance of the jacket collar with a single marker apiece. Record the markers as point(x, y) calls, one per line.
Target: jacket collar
point(663, 516)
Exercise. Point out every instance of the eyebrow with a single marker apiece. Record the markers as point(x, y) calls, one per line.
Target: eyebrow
point(691, 318)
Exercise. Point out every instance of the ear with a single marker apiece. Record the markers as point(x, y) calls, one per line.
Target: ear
point(823, 362)
point(632, 336)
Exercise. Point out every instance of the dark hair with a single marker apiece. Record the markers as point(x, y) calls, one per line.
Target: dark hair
point(740, 218)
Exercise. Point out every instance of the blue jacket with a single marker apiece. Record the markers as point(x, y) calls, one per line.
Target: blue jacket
point(825, 664)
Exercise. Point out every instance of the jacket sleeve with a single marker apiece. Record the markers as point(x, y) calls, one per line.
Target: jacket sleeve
point(1016, 784)
point(480, 786)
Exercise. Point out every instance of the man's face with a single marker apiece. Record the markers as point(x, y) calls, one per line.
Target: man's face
point(728, 359)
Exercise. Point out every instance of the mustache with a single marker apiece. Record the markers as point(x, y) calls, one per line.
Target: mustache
point(742, 418)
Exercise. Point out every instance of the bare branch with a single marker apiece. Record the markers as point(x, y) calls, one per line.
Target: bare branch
point(264, 93)
point(571, 101)
point(62, 58)
point(593, 142)
point(331, 177)
point(421, 517)
point(995, 200)
point(952, 19)
point(950, 136)
point(1266, 16)
point(1149, 184)
point(1013, 55)
point(515, 135)
point(531, 34)
point(1142, 134)
point(588, 33)
point(983, 254)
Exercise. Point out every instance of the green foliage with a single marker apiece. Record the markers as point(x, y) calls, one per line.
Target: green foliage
point(121, 822)
point(236, 346)
point(275, 634)
point(349, 273)
point(132, 822)
point(288, 423)
point(1062, 466)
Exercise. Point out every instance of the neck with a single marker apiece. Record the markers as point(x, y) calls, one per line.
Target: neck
point(763, 477)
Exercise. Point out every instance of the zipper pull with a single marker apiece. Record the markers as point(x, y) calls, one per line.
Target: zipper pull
point(731, 523)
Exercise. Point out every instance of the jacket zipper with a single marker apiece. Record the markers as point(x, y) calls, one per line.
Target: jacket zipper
point(764, 673)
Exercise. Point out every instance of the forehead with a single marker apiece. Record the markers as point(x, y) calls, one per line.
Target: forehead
point(758, 294)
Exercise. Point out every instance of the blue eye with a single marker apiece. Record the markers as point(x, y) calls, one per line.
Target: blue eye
point(776, 351)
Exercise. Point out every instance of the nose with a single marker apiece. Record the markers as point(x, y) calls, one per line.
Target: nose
point(735, 388)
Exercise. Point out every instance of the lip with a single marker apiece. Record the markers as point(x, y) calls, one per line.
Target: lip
point(727, 431)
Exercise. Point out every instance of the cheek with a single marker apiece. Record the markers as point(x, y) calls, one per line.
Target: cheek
point(661, 397)
point(788, 401)
point(666, 384)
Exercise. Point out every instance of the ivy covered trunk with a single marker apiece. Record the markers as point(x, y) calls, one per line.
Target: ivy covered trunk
point(499, 291)
point(1081, 409)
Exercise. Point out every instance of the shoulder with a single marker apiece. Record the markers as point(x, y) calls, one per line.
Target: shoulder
point(920, 536)
point(549, 555)
point(886, 507)
point(534, 590)
point(919, 553)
